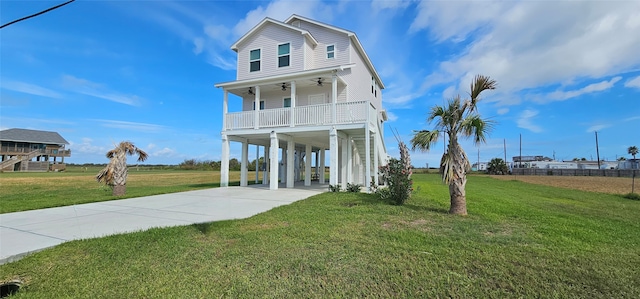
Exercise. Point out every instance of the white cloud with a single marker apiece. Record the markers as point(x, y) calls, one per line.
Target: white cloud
point(633, 83)
point(503, 111)
point(595, 87)
point(29, 89)
point(98, 90)
point(86, 146)
point(526, 121)
point(570, 41)
point(132, 126)
point(386, 4)
point(280, 10)
point(597, 127)
point(391, 116)
point(165, 152)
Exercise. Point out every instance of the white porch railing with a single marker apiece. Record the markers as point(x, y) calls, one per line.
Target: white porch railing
point(313, 115)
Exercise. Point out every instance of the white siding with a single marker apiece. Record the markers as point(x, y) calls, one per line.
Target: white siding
point(267, 39)
point(326, 37)
point(274, 99)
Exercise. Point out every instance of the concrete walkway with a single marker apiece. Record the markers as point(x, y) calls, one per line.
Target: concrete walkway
point(26, 232)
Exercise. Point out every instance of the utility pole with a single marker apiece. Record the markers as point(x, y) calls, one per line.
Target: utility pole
point(478, 165)
point(597, 150)
point(520, 160)
point(505, 150)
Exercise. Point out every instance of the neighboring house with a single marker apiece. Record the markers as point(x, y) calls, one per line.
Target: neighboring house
point(21, 146)
point(307, 88)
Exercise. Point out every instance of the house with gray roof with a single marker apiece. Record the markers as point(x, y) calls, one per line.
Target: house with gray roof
point(32, 150)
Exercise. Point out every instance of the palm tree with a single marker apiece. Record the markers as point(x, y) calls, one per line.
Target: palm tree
point(457, 118)
point(633, 150)
point(115, 174)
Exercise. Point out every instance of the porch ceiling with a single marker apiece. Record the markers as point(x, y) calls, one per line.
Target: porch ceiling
point(317, 139)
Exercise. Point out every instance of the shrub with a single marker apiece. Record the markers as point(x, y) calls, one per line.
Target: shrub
point(353, 187)
point(334, 188)
point(397, 177)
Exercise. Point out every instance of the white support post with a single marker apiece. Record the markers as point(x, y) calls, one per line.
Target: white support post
point(256, 105)
point(224, 163)
point(291, 154)
point(273, 163)
point(343, 164)
point(334, 98)
point(293, 104)
point(350, 160)
point(322, 167)
point(257, 163)
point(376, 157)
point(367, 159)
point(244, 169)
point(307, 165)
point(333, 157)
point(225, 109)
point(265, 172)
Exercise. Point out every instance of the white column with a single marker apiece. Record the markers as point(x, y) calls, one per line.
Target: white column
point(291, 154)
point(334, 97)
point(350, 161)
point(224, 162)
point(307, 165)
point(322, 166)
point(265, 172)
point(343, 164)
point(367, 159)
point(225, 109)
point(333, 157)
point(257, 163)
point(293, 104)
point(376, 157)
point(318, 164)
point(256, 105)
point(273, 163)
point(244, 169)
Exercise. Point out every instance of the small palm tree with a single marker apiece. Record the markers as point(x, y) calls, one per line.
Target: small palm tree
point(633, 150)
point(457, 118)
point(115, 174)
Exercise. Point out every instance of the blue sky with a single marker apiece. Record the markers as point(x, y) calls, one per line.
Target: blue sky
point(99, 72)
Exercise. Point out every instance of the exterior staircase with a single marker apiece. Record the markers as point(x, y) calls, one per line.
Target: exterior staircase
point(8, 165)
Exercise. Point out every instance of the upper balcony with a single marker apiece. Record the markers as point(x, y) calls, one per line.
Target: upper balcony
point(300, 116)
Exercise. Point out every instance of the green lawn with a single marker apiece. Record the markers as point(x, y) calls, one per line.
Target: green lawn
point(519, 240)
point(29, 191)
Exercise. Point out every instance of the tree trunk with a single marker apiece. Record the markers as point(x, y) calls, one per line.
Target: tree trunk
point(120, 174)
point(119, 190)
point(459, 180)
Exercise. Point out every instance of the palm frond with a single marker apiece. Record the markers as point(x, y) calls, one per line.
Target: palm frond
point(479, 84)
point(446, 167)
point(476, 127)
point(423, 140)
point(142, 155)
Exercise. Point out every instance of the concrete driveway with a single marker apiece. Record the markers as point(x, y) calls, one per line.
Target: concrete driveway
point(26, 232)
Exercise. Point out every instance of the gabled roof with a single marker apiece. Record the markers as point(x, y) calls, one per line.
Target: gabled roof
point(352, 36)
point(32, 136)
point(266, 21)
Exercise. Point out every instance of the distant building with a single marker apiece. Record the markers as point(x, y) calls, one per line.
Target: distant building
point(19, 148)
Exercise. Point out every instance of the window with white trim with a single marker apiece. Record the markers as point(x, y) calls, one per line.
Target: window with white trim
point(331, 51)
point(286, 103)
point(284, 55)
point(254, 60)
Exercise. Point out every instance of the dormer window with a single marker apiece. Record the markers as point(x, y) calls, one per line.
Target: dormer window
point(331, 51)
point(254, 60)
point(284, 54)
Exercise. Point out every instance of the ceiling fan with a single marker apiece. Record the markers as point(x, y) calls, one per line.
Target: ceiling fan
point(283, 86)
point(318, 81)
point(250, 91)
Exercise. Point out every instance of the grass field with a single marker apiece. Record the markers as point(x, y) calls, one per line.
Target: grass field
point(520, 240)
point(612, 185)
point(28, 191)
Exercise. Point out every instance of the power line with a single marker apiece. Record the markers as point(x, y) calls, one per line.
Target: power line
point(36, 14)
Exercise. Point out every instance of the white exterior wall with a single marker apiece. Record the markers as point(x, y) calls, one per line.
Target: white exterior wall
point(327, 37)
point(358, 79)
point(274, 99)
point(267, 40)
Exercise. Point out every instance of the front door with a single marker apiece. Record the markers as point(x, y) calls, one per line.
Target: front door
point(317, 99)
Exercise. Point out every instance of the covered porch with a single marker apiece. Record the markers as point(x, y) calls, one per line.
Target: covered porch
point(300, 156)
